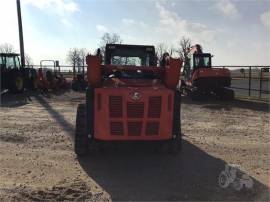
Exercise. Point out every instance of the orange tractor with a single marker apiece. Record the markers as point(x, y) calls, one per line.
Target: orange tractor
point(200, 78)
point(49, 78)
point(130, 98)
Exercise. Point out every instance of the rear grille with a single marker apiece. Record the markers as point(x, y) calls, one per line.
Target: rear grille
point(134, 128)
point(129, 118)
point(117, 128)
point(135, 110)
point(152, 128)
point(154, 107)
point(115, 104)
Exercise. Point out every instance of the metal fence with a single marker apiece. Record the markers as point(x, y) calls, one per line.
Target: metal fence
point(251, 81)
point(247, 81)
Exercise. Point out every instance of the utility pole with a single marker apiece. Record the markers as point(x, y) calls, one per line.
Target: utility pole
point(20, 33)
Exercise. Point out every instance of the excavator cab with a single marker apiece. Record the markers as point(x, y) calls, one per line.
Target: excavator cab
point(202, 60)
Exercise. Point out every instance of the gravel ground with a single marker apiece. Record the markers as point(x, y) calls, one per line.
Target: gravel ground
point(38, 162)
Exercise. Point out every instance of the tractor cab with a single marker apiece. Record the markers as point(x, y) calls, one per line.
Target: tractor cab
point(14, 77)
point(9, 61)
point(11, 75)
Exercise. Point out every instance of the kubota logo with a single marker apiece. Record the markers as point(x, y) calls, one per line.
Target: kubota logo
point(135, 96)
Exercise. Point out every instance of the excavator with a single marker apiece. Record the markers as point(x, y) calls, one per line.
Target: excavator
point(200, 78)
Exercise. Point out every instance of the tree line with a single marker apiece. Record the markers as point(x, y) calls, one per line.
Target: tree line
point(76, 56)
point(9, 48)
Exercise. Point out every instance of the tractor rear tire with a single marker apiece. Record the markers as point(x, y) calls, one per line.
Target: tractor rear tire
point(81, 136)
point(16, 82)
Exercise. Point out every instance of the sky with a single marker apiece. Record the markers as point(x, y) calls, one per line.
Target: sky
point(235, 32)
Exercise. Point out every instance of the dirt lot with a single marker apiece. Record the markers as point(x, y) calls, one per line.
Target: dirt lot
point(38, 163)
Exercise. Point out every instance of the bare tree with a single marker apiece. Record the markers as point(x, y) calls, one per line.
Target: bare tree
point(171, 50)
point(82, 56)
point(76, 57)
point(184, 47)
point(7, 48)
point(28, 60)
point(73, 57)
point(108, 38)
point(160, 49)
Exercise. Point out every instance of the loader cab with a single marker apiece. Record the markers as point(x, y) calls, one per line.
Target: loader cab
point(129, 98)
point(132, 61)
point(130, 55)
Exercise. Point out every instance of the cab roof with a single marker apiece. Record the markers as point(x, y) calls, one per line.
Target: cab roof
point(129, 46)
point(9, 54)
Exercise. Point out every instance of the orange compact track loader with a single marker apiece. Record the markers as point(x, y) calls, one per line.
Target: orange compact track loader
point(129, 98)
point(200, 78)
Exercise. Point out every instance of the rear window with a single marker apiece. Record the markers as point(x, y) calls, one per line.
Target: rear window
point(134, 61)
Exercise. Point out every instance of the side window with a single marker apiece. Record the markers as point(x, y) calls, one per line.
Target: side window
point(200, 61)
point(10, 62)
point(192, 62)
point(1, 61)
point(207, 62)
point(147, 60)
point(17, 62)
